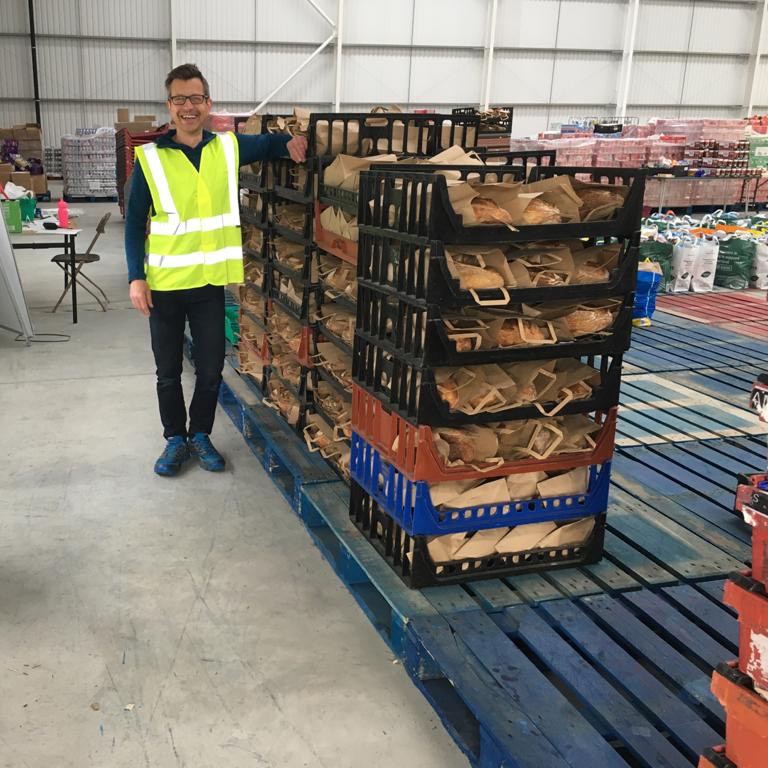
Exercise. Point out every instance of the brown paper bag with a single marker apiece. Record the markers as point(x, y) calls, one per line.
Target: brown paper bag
point(533, 379)
point(344, 171)
point(441, 548)
point(442, 494)
point(523, 486)
point(568, 484)
point(570, 535)
point(522, 538)
point(469, 445)
point(489, 492)
point(594, 265)
point(480, 544)
point(558, 192)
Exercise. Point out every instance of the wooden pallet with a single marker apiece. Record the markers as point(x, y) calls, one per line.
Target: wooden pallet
point(606, 665)
point(717, 307)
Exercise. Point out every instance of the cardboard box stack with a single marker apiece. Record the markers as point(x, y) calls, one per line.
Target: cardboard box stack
point(137, 124)
point(88, 164)
point(21, 158)
point(742, 686)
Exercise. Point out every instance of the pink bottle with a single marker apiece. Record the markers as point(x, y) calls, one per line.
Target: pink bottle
point(63, 214)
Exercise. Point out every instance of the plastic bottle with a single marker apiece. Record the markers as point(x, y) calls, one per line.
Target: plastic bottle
point(63, 214)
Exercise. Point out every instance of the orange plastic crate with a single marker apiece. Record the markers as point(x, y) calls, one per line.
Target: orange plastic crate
point(417, 458)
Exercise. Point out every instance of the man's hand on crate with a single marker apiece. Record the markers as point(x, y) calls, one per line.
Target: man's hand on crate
point(141, 296)
point(297, 149)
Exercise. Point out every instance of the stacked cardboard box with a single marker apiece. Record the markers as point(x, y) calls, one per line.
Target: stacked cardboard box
point(23, 141)
point(139, 123)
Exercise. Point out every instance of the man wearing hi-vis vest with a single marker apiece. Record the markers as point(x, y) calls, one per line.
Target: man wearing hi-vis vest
point(186, 184)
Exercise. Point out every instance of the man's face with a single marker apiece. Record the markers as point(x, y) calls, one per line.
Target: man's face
point(189, 117)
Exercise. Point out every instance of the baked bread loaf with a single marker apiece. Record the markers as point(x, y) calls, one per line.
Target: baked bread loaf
point(589, 320)
point(487, 211)
point(478, 278)
point(539, 211)
point(460, 447)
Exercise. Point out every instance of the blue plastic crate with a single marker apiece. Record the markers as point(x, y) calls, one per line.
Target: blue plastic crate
point(410, 503)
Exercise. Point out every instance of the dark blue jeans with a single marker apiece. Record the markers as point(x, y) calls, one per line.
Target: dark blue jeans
point(204, 309)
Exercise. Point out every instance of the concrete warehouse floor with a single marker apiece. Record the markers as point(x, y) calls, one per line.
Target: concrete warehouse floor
point(166, 622)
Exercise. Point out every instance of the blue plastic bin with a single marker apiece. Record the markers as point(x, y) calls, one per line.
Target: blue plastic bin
point(410, 503)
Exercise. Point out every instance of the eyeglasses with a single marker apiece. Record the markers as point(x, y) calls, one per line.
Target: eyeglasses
point(196, 98)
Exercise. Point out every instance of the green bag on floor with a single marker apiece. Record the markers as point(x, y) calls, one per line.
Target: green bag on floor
point(661, 253)
point(734, 263)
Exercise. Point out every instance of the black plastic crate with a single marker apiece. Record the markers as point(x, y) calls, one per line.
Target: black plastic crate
point(302, 309)
point(326, 309)
point(419, 271)
point(259, 181)
point(524, 157)
point(258, 219)
point(294, 181)
point(303, 235)
point(411, 390)
point(425, 334)
point(417, 207)
point(409, 557)
point(374, 133)
point(490, 126)
point(348, 200)
point(306, 273)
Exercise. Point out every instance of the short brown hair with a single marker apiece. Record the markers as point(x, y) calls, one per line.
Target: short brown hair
point(186, 72)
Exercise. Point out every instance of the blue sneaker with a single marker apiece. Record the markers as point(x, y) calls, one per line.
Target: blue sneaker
point(200, 445)
point(171, 459)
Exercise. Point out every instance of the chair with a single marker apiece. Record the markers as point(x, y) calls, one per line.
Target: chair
point(81, 259)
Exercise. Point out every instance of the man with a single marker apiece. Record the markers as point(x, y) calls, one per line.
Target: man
point(187, 184)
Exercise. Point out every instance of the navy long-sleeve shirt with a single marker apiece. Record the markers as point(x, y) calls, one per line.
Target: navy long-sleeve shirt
point(252, 149)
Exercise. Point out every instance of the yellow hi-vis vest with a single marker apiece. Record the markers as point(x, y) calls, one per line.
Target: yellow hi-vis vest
point(194, 232)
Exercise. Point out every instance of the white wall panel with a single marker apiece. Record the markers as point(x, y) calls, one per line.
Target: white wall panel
point(527, 23)
point(375, 75)
point(446, 76)
point(663, 25)
point(656, 79)
point(761, 79)
point(584, 78)
point(364, 22)
point(521, 77)
point(13, 112)
point(528, 121)
point(16, 67)
point(437, 22)
point(194, 20)
point(139, 18)
point(714, 80)
point(59, 18)
point(124, 69)
point(296, 20)
point(60, 68)
point(14, 16)
point(722, 28)
point(230, 70)
point(314, 83)
point(591, 24)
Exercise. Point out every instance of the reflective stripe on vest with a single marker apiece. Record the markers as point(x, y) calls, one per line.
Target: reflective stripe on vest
point(194, 236)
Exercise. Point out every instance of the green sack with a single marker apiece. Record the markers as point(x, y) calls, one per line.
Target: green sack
point(661, 253)
point(734, 263)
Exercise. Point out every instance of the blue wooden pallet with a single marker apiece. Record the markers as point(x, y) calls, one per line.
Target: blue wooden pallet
point(606, 665)
point(677, 344)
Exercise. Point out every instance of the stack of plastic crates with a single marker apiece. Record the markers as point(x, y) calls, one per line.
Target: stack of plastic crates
point(742, 686)
point(125, 146)
point(328, 278)
point(416, 324)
